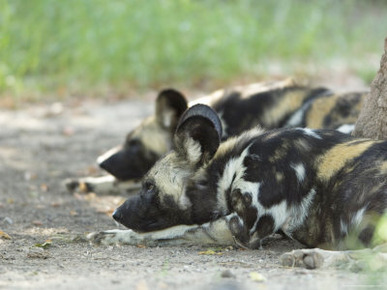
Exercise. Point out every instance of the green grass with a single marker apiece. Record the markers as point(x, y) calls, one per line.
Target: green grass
point(47, 46)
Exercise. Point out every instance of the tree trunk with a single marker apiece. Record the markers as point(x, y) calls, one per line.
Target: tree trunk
point(372, 121)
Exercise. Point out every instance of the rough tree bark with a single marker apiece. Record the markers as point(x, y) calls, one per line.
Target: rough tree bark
point(372, 121)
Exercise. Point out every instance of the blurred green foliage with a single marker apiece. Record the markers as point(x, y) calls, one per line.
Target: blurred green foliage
point(52, 43)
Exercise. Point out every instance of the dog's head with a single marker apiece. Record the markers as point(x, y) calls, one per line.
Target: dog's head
point(148, 142)
point(162, 201)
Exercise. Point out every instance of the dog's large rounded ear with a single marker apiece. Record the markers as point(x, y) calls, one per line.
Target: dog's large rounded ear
point(198, 134)
point(170, 105)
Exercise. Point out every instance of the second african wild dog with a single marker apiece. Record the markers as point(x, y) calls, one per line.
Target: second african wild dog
point(322, 188)
point(270, 105)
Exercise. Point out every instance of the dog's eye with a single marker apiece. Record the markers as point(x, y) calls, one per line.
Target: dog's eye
point(149, 186)
point(149, 190)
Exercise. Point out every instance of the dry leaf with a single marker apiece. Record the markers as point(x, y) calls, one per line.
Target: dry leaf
point(257, 277)
point(45, 245)
point(44, 187)
point(37, 223)
point(73, 213)
point(210, 252)
point(5, 236)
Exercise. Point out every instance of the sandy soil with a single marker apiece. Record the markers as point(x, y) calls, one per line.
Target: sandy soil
point(42, 145)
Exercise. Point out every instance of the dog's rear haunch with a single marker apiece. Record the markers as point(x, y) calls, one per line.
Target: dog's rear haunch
point(319, 187)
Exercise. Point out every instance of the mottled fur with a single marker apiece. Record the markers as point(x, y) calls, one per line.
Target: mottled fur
point(333, 111)
point(270, 105)
point(322, 188)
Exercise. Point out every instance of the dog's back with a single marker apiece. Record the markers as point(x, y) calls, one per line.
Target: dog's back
point(320, 187)
point(269, 105)
point(329, 111)
point(316, 186)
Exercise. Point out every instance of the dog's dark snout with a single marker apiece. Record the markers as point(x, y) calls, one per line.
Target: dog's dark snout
point(117, 215)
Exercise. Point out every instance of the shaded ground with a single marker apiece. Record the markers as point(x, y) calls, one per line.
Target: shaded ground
point(42, 145)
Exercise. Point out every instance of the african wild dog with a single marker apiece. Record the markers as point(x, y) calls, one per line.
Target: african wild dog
point(322, 188)
point(270, 105)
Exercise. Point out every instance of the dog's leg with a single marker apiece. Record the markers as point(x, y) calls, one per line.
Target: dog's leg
point(100, 185)
point(217, 232)
point(354, 260)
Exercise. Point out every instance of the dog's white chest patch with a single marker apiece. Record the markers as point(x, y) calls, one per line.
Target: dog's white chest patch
point(232, 178)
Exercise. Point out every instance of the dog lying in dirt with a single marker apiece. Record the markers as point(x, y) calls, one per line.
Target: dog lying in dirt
point(270, 105)
point(322, 188)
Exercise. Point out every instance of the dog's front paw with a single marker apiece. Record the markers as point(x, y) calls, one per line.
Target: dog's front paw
point(309, 259)
point(76, 185)
point(319, 258)
point(110, 237)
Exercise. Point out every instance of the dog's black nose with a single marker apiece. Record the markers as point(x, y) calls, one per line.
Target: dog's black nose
point(117, 215)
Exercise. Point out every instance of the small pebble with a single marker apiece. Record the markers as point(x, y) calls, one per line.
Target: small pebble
point(227, 274)
point(8, 220)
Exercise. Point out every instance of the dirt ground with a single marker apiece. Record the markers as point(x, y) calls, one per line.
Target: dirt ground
point(42, 145)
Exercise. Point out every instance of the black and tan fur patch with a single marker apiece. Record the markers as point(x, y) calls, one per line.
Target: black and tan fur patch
point(269, 105)
point(332, 111)
point(322, 188)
